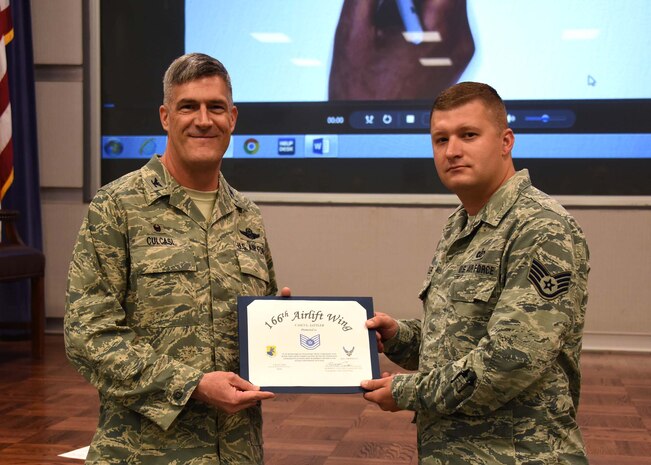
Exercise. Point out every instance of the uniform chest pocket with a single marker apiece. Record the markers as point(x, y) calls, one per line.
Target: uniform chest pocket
point(468, 313)
point(472, 289)
point(165, 287)
point(470, 295)
point(254, 272)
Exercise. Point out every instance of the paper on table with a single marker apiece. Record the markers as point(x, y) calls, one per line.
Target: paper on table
point(76, 454)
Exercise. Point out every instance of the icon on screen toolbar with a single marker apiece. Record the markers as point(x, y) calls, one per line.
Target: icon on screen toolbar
point(251, 146)
point(321, 146)
point(286, 146)
point(325, 145)
point(113, 146)
point(148, 147)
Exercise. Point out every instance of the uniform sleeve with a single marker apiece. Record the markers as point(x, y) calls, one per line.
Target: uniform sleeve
point(99, 342)
point(532, 317)
point(403, 348)
point(273, 286)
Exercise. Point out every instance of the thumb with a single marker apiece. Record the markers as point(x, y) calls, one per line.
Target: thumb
point(372, 323)
point(242, 384)
point(371, 384)
point(254, 396)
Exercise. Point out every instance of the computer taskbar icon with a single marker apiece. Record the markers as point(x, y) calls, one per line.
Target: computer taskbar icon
point(251, 146)
point(113, 146)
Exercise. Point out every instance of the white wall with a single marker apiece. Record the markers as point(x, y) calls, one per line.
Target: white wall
point(384, 252)
point(379, 251)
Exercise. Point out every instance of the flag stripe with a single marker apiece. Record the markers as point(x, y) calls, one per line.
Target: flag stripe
point(5, 128)
point(6, 24)
point(6, 145)
point(6, 169)
point(4, 93)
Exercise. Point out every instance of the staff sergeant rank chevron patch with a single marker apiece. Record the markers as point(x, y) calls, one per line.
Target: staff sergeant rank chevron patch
point(548, 286)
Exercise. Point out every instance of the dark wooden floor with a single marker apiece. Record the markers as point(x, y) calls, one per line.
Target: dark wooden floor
point(46, 409)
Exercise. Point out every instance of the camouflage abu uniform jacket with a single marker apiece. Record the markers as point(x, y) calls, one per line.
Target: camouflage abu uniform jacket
point(151, 306)
point(497, 351)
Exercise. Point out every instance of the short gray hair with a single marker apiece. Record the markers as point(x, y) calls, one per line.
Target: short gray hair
point(193, 66)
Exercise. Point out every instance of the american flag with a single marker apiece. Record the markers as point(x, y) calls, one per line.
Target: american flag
point(6, 147)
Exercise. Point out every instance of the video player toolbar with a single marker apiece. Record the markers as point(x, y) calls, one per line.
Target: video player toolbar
point(517, 119)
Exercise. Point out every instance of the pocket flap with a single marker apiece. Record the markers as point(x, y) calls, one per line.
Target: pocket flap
point(254, 264)
point(150, 260)
point(469, 289)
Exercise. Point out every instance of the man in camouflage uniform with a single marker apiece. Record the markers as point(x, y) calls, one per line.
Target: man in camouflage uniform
point(151, 316)
point(497, 353)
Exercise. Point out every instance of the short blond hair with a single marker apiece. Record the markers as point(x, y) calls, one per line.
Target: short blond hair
point(466, 92)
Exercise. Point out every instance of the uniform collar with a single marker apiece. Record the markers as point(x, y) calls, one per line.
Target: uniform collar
point(500, 202)
point(504, 198)
point(159, 183)
point(156, 180)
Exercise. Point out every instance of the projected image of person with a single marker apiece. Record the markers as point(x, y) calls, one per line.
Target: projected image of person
point(151, 316)
point(399, 49)
point(496, 354)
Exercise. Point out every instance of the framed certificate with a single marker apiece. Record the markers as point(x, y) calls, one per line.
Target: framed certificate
point(307, 344)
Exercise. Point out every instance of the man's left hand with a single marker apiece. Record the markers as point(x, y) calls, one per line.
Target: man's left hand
point(380, 392)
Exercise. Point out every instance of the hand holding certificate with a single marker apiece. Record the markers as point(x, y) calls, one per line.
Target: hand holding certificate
point(307, 344)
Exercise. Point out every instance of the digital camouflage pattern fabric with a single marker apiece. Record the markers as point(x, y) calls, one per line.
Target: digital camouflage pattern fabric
point(151, 306)
point(497, 350)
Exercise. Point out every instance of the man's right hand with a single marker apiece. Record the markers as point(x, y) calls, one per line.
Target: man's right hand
point(385, 327)
point(228, 392)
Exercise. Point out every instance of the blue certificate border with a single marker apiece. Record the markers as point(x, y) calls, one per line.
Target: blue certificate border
point(242, 317)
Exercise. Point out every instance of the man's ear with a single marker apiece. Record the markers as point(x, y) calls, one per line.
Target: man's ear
point(508, 139)
point(233, 117)
point(164, 115)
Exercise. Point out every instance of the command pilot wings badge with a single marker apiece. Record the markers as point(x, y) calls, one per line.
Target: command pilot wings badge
point(548, 286)
point(250, 234)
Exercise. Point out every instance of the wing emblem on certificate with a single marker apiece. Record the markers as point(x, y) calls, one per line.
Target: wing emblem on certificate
point(307, 344)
